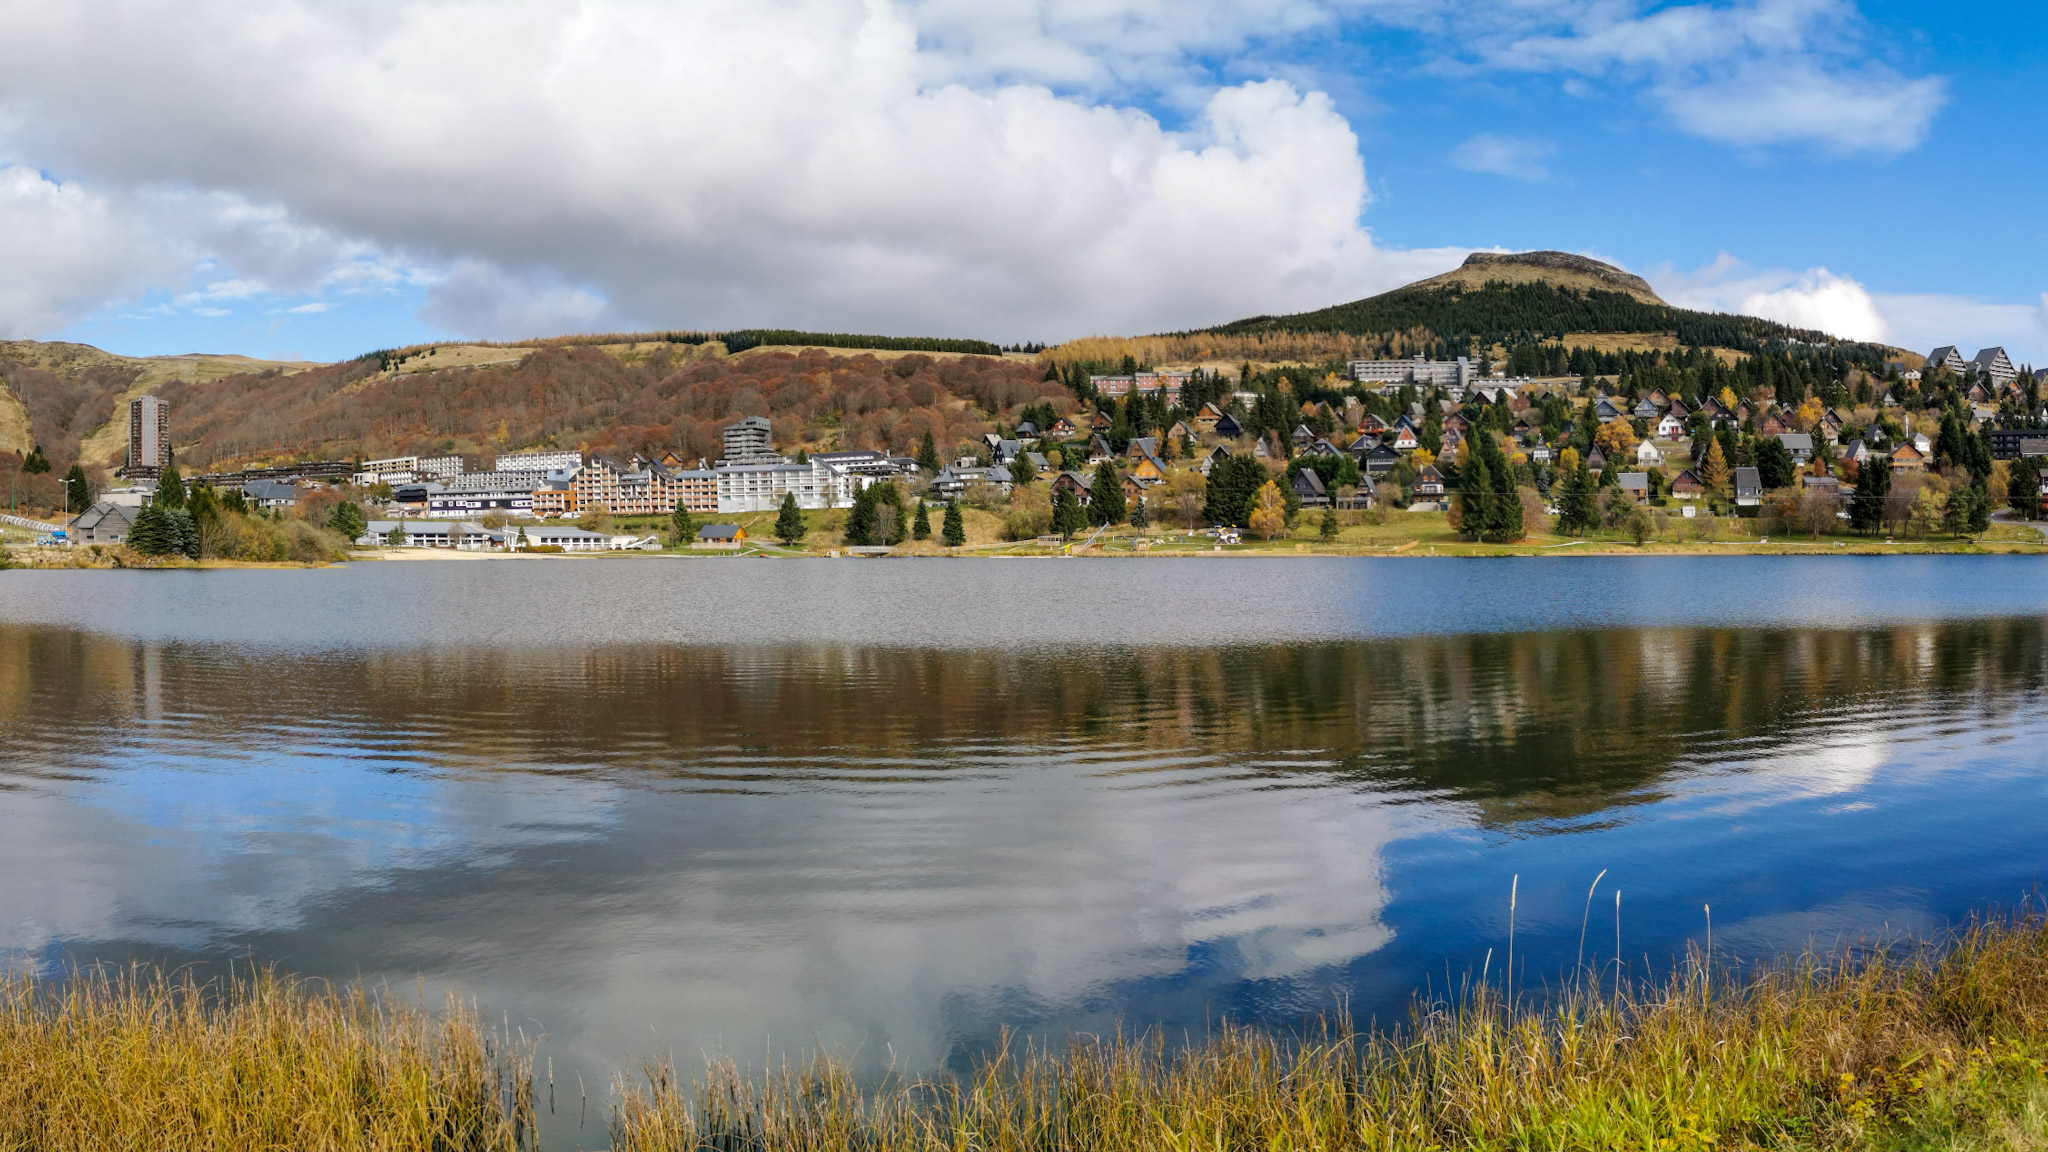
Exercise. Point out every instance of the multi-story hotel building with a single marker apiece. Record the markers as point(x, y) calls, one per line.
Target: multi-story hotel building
point(149, 436)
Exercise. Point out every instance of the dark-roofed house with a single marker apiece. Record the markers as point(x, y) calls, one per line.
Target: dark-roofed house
point(1800, 444)
point(1636, 486)
point(1429, 482)
point(1381, 459)
point(1606, 412)
point(1687, 486)
point(270, 494)
point(1078, 483)
point(1995, 364)
point(1947, 356)
point(1228, 427)
point(1596, 462)
point(1826, 486)
point(1749, 487)
point(1309, 487)
point(104, 523)
point(721, 536)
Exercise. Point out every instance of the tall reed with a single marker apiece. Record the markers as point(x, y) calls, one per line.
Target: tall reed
point(1888, 1048)
point(137, 1058)
point(1876, 1049)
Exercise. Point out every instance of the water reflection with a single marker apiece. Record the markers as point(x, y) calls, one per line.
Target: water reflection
point(900, 849)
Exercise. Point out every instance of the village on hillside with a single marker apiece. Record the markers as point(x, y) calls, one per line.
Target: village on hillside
point(1664, 447)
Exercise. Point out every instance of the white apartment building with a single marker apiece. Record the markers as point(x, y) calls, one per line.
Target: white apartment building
point(471, 502)
point(395, 470)
point(1459, 373)
point(761, 487)
point(540, 462)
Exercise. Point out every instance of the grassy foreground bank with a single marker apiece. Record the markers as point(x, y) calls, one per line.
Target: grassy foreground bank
point(1897, 1049)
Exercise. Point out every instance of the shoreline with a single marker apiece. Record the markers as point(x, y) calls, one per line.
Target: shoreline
point(1935, 1041)
point(28, 560)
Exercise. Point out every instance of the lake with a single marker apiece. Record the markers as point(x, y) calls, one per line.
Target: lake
point(667, 805)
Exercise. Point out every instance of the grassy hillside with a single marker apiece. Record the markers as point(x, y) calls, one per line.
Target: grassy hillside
point(636, 392)
point(72, 397)
point(642, 396)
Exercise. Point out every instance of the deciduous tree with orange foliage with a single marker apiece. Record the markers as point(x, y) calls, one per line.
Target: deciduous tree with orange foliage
point(1616, 439)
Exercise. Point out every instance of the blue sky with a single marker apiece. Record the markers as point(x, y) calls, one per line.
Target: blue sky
point(315, 179)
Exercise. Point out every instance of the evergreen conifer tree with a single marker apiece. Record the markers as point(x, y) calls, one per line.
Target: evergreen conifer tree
point(1475, 496)
point(682, 524)
point(184, 533)
point(150, 534)
point(928, 454)
point(860, 519)
point(1106, 495)
point(921, 528)
point(1139, 516)
point(789, 521)
point(347, 517)
point(77, 490)
point(1068, 517)
point(1328, 530)
point(1504, 516)
point(1873, 488)
point(36, 463)
point(953, 533)
point(170, 489)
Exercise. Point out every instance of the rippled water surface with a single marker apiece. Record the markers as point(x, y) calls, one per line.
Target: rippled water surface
point(895, 806)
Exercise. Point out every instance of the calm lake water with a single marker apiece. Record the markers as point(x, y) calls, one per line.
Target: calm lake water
point(688, 805)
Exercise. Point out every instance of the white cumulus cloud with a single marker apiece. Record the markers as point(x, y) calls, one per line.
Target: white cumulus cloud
point(64, 249)
point(1842, 306)
point(726, 162)
point(1815, 298)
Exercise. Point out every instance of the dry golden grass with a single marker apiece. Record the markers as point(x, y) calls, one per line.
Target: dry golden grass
point(15, 433)
point(1884, 1049)
point(1209, 350)
point(138, 1059)
point(1893, 1050)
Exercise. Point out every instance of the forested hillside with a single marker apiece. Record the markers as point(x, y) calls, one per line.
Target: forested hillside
point(1508, 314)
point(647, 399)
